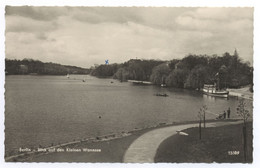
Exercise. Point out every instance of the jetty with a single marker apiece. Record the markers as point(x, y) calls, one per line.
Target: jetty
point(140, 82)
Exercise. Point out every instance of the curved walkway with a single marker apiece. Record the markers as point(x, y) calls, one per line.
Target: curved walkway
point(144, 148)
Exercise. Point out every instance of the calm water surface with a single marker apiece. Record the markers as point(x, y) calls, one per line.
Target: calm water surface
point(41, 110)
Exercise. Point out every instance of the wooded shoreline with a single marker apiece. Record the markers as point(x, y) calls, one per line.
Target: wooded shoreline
point(191, 72)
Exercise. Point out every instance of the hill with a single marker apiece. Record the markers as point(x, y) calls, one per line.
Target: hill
point(30, 66)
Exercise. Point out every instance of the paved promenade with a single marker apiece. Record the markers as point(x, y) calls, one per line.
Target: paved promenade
point(144, 148)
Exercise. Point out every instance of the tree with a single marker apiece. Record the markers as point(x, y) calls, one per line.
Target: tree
point(244, 114)
point(204, 109)
point(201, 116)
point(173, 63)
point(223, 72)
point(191, 61)
point(28, 66)
point(196, 77)
point(105, 70)
point(122, 74)
point(147, 67)
point(236, 59)
point(159, 73)
point(177, 78)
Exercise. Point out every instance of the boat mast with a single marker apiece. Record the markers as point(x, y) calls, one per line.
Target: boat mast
point(217, 83)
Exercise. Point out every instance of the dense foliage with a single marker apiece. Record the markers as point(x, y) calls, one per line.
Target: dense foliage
point(104, 70)
point(30, 66)
point(193, 71)
point(134, 69)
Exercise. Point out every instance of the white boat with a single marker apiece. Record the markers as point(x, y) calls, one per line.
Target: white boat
point(163, 85)
point(68, 75)
point(213, 91)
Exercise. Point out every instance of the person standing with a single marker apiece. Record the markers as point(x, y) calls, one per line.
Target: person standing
point(228, 112)
point(225, 114)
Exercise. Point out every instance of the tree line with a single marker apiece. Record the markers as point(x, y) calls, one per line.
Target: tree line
point(135, 69)
point(30, 66)
point(193, 71)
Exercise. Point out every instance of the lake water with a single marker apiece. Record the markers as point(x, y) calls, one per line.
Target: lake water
point(41, 110)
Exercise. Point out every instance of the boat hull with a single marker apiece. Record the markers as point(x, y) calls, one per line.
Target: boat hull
point(216, 93)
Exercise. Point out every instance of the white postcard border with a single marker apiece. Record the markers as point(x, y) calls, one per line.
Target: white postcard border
point(176, 3)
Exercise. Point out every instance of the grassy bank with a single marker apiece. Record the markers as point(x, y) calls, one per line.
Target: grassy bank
point(112, 149)
point(214, 146)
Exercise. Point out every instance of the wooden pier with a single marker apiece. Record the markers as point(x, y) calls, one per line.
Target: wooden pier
point(140, 82)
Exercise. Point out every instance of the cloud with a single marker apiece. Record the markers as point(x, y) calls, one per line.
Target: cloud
point(84, 36)
point(230, 28)
point(217, 19)
point(41, 36)
point(37, 13)
point(224, 13)
point(108, 14)
point(23, 24)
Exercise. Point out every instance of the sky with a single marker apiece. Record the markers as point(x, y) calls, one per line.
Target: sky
point(84, 36)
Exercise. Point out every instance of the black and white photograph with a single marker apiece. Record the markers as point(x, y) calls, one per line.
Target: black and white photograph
point(100, 84)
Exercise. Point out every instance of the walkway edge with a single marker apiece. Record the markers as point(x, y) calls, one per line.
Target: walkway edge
point(144, 148)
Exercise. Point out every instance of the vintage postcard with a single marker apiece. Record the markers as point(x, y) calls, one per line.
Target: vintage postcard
point(92, 84)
